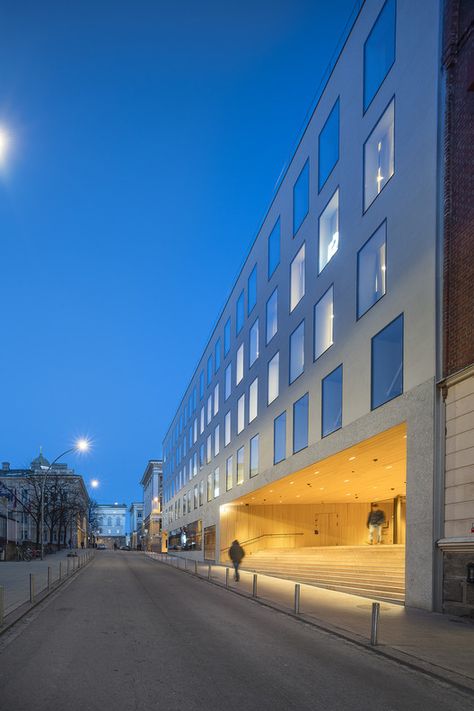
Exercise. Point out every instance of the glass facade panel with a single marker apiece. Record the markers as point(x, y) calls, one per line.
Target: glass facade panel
point(253, 400)
point(379, 156)
point(216, 398)
point(227, 337)
point(301, 198)
point(323, 323)
point(328, 146)
point(279, 438)
point(273, 378)
point(227, 429)
point(272, 316)
point(274, 249)
point(216, 440)
point(210, 486)
point(239, 313)
point(240, 465)
point(300, 423)
point(241, 413)
point(329, 231)
point(239, 366)
point(209, 369)
point(371, 270)
point(228, 381)
point(379, 51)
point(208, 449)
point(229, 473)
point(254, 455)
point(387, 363)
point(252, 290)
point(297, 278)
point(331, 415)
point(216, 482)
point(217, 355)
point(253, 344)
point(297, 352)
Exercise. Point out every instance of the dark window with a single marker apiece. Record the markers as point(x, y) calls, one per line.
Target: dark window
point(279, 438)
point(300, 423)
point(372, 270)
point(274, 249)
point(254, 455)
point(217, 357)
point(239, 313)
point(209, 369)
point(227, 337)
point(328, 146)
point(301, 198)
point(379, 51)
point(387, 363)
point(332, 402)
point(252, 289)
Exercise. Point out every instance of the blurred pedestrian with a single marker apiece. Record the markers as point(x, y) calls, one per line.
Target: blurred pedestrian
point(375, 521)
point(236, 554)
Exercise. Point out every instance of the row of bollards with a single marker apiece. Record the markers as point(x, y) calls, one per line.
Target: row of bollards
point(297, 595)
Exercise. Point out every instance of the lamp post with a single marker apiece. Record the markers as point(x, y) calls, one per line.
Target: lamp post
point(82, 445)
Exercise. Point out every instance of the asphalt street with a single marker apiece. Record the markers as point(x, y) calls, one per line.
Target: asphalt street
point(130, 634)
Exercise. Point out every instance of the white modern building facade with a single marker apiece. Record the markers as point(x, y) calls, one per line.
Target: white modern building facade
point(316, 395)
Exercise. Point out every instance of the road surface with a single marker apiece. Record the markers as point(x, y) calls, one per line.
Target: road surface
point(130, 634)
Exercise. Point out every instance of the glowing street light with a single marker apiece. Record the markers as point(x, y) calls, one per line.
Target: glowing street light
point(4, 144)
point(94, 483)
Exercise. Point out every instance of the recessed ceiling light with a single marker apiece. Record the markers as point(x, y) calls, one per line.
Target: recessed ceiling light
point(321, 488)
point(348, 494)
point(317, 472)
point(292, 482)
point(298, 496)
point(351, 459)
point(389, 466)
point(404, 436)
point(271, 491)
point(346, 481)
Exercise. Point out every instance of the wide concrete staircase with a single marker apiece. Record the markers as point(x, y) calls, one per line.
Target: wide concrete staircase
point(371, 571)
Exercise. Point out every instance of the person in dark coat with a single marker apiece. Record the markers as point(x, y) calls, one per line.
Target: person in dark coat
point(375, 521)
point(236, 554)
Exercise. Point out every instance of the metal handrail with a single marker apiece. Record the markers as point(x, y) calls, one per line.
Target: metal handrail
point(263, 535)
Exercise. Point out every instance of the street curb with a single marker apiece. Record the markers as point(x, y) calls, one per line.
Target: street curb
point(461, 682)
point(22, 610)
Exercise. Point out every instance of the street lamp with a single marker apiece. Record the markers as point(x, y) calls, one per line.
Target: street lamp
point(94, 483)
point(82, 445)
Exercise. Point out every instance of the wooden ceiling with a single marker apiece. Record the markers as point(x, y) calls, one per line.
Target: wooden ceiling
point(372, 470)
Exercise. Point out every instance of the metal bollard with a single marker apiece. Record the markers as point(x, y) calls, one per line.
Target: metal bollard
point(254, 585)
point(195, 567)
point(227, 577)
point(375, 623)
point(60, 570)
point(49, 577)
point(297, 598)
point(32, 587)
point(2, 604)
point(209, 571)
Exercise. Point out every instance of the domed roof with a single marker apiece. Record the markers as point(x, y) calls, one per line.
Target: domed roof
point(40, 462)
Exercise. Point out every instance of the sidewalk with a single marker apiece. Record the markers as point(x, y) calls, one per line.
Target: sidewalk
point(15, 576)
point(440, 644)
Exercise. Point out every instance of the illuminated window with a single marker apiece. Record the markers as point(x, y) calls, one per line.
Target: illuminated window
point(228, 382)
point(239, 367)
point(241, 413)
point(216, 440)
point(379, 51)
point(331, 415)
point(195, 430)
point(201, 456)
point(324, 323)
point(227, 337)
point(216, 399)
point(201, 425)
point(229, 473)
point(240, 465)
point(279, 438)
point(329, 231)
point(239, 313)
point(254, 455)
point(210, 486)
point(196, 496)
point(328, 146)
point(195, 466)
point(201, 492)
point(387, 363)
point(371, 270)
point(216, 482)
point(209, 409)
point(297, 278)
point(301, 198)
point(273, 378)
point(252, 290)
point(272, 316)
point(253, 400)
point(209, 448)
point(300, 423)
point(227, 429)
point(274, 249)
point(379, 156)
point(253, 343)
point(297, 352)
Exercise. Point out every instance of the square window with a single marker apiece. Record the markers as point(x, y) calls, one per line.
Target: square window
point(379, 156)
point(239, 369)
point(331, 416)
point(387, 363)
point(372, 270)
point(227, 337)
point(254, 455)
point(241, 413)
point(253, 344)
point(239, 313)
point(252, 290)
point(273, 378)
point(297, 278)
point(324, 323)
point(217, 355)
point(229, 473)
point(301, 198)
point(297, 352)
point(274, 249)
point(227, 429)
point(228, 382)
point(379, 51)
point(328, 146)
point(300, 423)
point(240, 465)
point(279, 438)
point(253, 400)
point(329, 231)
point(272, 316)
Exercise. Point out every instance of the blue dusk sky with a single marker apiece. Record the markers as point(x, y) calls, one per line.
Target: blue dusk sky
point(146, 140)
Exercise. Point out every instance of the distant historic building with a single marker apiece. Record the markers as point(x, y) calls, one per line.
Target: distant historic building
point(152, 483)
point(111, 524)
point(136, 524)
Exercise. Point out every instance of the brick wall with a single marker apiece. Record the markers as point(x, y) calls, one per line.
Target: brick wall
point(458, 62)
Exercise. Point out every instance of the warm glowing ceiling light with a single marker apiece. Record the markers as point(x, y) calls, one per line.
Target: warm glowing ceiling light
point(351, 459)
point(321, 488)
point(292, 482)
point(346, 481)
point(317, 472)
point(389, 466)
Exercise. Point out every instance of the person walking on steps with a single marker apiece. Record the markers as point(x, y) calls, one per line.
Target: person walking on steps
point(236, 553)
point(375, 521)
